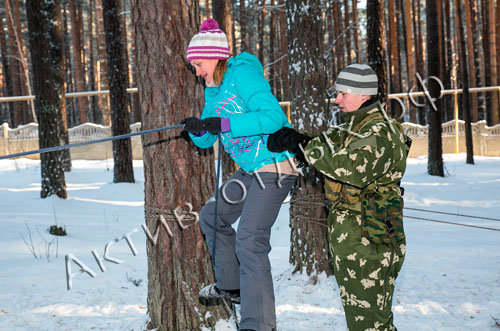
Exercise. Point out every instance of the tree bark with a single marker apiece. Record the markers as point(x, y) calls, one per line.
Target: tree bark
point(6, 73)
point(117, 77)
point(245, 42)
point(285, 84)
point(347, 22)
point(56, 49)
point(175, 173)
point(465, 81)
point(478, 58)
point(376, 44)
point(77, 62)
point(356, 30)
point(435, 157)
point(95, 114)
point(308, 214)
point(410, 53)
point(470, 56)
point(493, 112)
point(102, 72)
point(394, 49)
point(47, 101)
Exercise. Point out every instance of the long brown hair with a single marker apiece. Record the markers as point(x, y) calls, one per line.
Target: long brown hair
point(220, 70)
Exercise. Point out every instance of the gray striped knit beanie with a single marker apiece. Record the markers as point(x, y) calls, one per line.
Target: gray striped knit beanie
point(357, 79)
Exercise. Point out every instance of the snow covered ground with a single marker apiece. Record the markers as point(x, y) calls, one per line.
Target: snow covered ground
point(450, 279)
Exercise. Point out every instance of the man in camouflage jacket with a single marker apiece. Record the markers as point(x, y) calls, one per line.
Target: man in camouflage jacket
point(363, 161)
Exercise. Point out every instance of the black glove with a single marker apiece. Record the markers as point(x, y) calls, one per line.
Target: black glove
point(196, 126)
point(287, 139)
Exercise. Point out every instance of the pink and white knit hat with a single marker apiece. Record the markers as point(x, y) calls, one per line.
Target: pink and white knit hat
point(209, 43)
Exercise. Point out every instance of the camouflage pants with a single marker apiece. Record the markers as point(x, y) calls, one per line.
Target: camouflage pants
point(365, 272)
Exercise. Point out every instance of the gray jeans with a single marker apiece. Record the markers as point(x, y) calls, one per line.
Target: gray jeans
point(241, 258)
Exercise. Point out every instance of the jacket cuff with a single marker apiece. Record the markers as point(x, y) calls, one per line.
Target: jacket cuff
point(225, 124)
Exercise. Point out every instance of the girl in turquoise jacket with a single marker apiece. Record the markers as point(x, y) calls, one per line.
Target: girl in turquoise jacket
point(241, 109)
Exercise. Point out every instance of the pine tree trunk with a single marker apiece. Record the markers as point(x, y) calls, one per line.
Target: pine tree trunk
point(498, 42)
point(435, 157)
point(394, 49)
point(285, 84)
point(245, 42)
point(47, 101)
point(448, 68)
point(356, 30)
point(376, 44)
point(410, 53)
point(491, 62)
point(339, 46)
point(24, 81)
point(347, 22)
point(102, 72)
point(478, 58)
point(175, 173)
point(117, 77)
point(470, 58)
point(95, 113)
point(465, 81)
point(56, 49)
point(77, 62)
point(14, 65)
point(308, 214)
point(70, 102)
point(261, 20)
point(6, 72)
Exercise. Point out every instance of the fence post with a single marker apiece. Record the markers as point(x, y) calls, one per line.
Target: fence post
point(5, 137)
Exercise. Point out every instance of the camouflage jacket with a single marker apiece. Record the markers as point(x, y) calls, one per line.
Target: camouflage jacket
point(368, 148)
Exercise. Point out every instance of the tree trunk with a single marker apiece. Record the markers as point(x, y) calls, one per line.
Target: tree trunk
point(347, 22)
point(14, 65)
point(56, 49)
point(448, 68)
point(491, 61)
point(285, 84)
point(94, 101)
point(77, 62)
point(410, 53)
point(394, 49)
point(175, 173)
point(470, 57)
point(478, 58)
point(420, 54)
point(465, 81)
point(117, 77)
point(339, 46)
point(47, 101)
point(6, 73)
point(498, 41)
point(435, 157)
point(308, 214)
point(356, 30)
point(245, 42)
point(261, 20)
point(102, 72)
point(376, 44)
point(71, 103)
point(222, 14)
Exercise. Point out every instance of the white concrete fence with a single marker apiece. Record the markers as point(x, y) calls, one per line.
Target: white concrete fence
point(486, 140)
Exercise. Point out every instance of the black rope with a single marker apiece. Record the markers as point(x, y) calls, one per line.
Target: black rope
point(446, 222)
point(97, 141)
point(453, 214)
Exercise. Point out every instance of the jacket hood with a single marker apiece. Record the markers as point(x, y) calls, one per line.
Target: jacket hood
point(245, 59)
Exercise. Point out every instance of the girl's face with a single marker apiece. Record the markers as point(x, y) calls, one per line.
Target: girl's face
point(205, 68)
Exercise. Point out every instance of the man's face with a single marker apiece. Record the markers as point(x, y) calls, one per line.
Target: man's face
point(205, 68)
point(348, 102)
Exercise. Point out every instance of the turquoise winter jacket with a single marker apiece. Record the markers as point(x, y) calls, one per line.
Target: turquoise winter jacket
point(254, 113)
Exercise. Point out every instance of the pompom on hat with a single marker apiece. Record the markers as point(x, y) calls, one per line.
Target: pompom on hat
point(210, 43)
point(357, 79)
